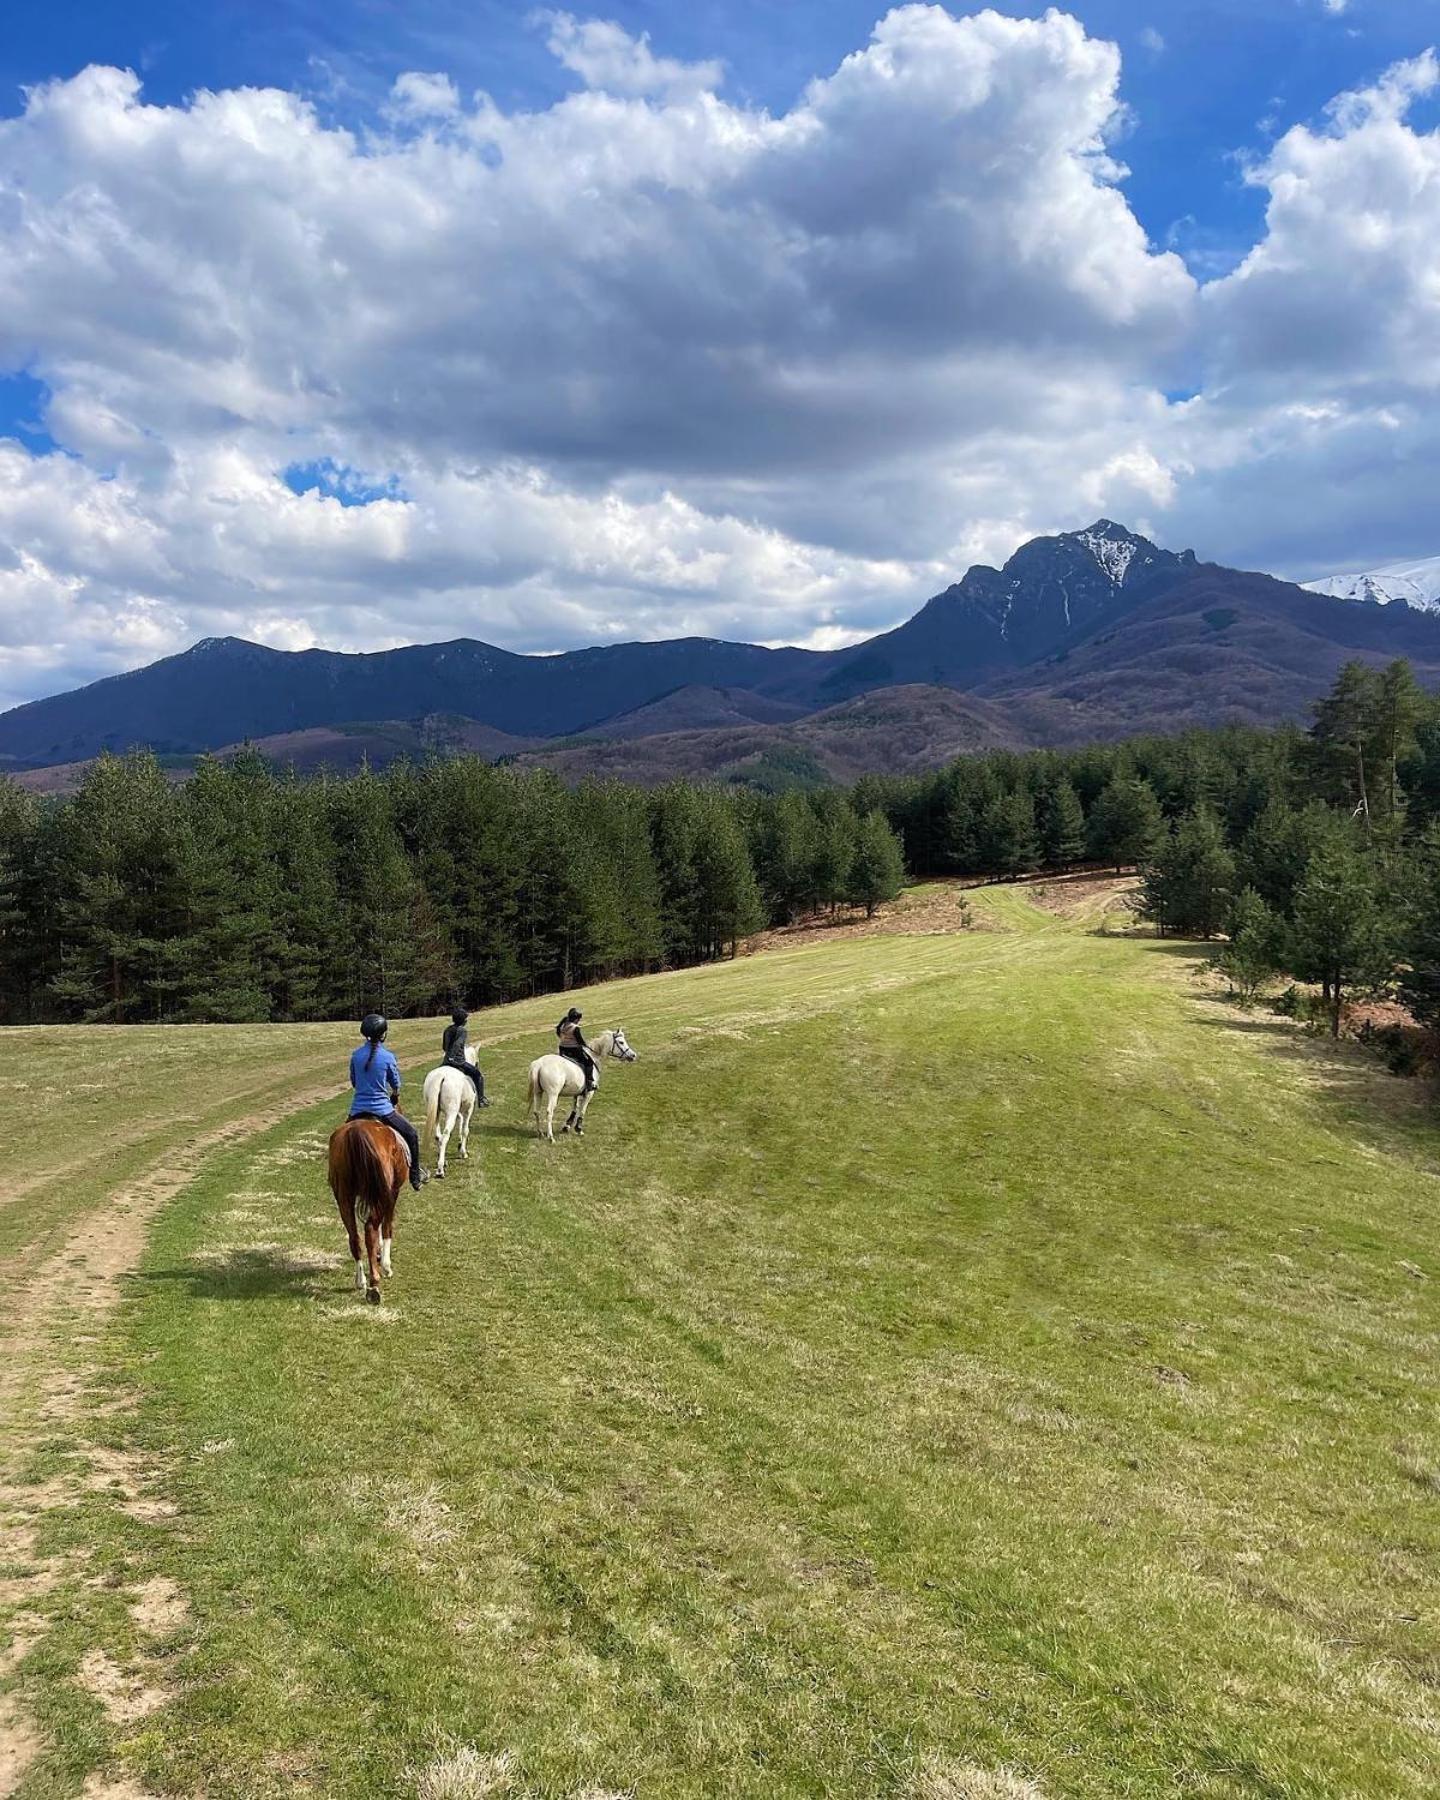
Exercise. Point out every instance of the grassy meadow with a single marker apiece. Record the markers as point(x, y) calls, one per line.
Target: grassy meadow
point(955, 1367)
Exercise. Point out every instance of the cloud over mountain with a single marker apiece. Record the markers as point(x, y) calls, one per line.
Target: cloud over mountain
point(652, 361)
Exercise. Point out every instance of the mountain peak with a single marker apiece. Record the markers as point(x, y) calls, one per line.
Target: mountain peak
point(220, 646)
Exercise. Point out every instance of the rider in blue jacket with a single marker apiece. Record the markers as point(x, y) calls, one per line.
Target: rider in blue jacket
point(375, 1077)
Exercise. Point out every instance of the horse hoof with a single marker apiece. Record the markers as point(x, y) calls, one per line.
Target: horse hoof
point(373, 1295)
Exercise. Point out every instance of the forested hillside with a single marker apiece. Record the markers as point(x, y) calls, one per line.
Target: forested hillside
point(248, 895)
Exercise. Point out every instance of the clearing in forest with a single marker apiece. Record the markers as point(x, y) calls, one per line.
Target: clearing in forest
point(952, 1365)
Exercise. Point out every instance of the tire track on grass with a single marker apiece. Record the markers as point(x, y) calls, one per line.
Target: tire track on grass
point(73, 1282)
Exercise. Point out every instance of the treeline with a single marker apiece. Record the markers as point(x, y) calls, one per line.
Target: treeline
point(248, 895)
point(1314, 853)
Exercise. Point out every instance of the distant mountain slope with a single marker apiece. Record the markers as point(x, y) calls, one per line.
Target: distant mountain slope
point(1085, 633)
point(897, 731)
point(1416, 583)
point(1223, 647)
point(224, 690)
point(695, 708)
point(340, 748)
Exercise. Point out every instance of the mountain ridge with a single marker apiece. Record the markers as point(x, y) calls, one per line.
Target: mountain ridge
point(1087, 633)
point(1416, 583)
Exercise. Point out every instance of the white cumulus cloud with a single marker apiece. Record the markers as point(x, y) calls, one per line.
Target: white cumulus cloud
point(650, 361)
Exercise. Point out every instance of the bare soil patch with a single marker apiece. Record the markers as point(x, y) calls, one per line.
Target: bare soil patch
point(125, 1697)
point(1080, 896)
point(932, 910)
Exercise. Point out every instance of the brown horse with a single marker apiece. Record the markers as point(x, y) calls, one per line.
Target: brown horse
point(368, 1167)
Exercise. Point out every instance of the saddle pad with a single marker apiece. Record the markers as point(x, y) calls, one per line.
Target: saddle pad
point(404, 1147)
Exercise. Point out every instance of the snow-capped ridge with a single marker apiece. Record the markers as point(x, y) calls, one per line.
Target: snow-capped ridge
point(1416, 583)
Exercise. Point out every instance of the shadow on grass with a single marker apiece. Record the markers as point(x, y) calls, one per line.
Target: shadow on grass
point(262, 1273)
point(481, 1132)
point(1348, 1081)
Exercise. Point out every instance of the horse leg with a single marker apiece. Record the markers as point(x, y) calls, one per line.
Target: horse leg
point(442, 1138)
point(466, 1114)
point(387, 1237)
point(550, 1115)
point(347, 1219)
point(372, 1257)
point(582, 1106)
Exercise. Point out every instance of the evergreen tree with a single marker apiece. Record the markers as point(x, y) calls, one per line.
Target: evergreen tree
point(834, 849)
point(1254, 948)
point(1125, 823)
point(234, 898)
point(1340, 937)
point(1188, 878)
point(1419, 974)
point(394, 954)
point(1062, 826)
point(1346, 738)
point(118, 876)
point(308, 953)
point(1010, 845)
point(675, 833)
point(621, 820)
point(972, 790)
point(1402, 705)
point(1203, 875)
point(19, 838)
point(878, 871)
point(728, 905)
point(787, 840)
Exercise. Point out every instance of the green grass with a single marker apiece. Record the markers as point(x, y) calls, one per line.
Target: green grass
point(941, 1354)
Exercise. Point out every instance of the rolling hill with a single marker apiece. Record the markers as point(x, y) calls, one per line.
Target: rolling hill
point(896, 730)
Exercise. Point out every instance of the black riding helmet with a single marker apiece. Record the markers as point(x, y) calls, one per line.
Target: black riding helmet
point(374, 1026)
point(459, 1015)
point(574, 1015)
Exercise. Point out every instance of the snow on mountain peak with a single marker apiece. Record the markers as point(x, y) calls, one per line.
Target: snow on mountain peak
point(1112, 547)
point(1416, 583)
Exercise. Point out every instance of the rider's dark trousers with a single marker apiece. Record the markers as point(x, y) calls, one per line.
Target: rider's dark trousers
point(573, 1053)
point(474, 1074)
point(398, 1122)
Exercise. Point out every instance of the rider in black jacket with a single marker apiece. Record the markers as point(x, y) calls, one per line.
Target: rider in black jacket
point(454, 1048)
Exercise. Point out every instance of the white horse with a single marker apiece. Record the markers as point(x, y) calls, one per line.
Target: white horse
point(449, 1101)
point(552, 1076)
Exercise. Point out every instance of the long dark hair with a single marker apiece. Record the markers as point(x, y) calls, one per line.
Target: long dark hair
point(374, 1046)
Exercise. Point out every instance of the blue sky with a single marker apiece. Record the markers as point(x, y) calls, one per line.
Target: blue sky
point(637, 347)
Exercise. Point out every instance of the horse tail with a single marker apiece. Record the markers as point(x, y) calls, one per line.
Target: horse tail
point(432, 1105)
point(357, 1168)
point(534, 1094)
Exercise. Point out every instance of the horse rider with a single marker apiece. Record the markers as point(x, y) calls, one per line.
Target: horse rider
point(375, 1077)
point(453, 1044)
point(573, 1047)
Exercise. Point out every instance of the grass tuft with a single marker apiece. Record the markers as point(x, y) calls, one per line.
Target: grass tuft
point(939, 1780)
point(465, 1773)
